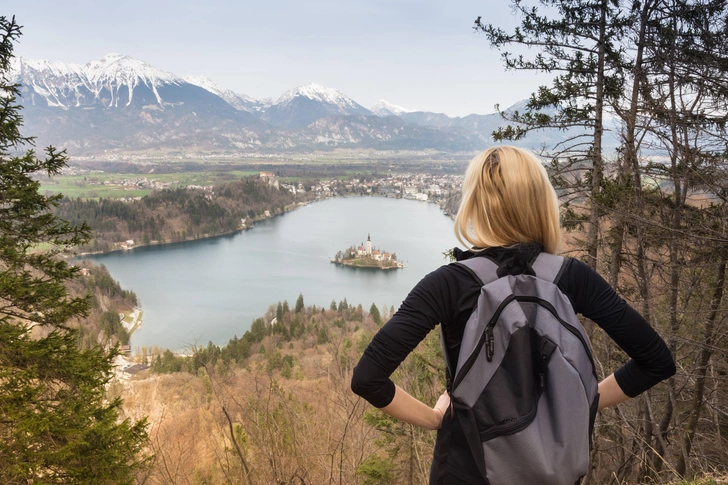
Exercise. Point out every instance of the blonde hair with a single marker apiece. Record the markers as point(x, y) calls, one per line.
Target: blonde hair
point(508, 200)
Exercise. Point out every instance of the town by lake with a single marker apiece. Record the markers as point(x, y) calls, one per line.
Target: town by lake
point(212, 289)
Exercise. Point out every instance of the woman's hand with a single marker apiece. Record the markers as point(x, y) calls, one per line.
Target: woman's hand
point(442, 406)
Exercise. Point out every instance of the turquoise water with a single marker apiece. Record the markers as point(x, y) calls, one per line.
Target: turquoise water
point(209, 290)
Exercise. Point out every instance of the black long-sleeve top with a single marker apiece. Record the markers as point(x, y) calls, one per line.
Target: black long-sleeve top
point(449, 294)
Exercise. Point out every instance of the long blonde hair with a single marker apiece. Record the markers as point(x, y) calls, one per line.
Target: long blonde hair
point(508, 200)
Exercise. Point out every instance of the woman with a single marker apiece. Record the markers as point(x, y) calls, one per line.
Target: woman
point(509, 213)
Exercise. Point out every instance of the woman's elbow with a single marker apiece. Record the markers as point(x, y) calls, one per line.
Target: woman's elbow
point(359, 383)
point(662, 370)
point(377, 389)
point(363, 384)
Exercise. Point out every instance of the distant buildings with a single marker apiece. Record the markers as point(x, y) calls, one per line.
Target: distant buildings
point(367, 256)
point(270, 177)
point(139, 183)
point(128, 244)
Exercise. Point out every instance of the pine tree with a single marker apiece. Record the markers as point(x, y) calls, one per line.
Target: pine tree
point(55, 425)
point(664, 207)
point(343, 306)
point(374, 312)
point(578, 41)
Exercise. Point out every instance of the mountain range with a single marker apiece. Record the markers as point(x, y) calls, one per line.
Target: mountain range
point(119, 104)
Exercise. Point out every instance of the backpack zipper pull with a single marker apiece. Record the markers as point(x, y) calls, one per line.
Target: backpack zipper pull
point(489, 343)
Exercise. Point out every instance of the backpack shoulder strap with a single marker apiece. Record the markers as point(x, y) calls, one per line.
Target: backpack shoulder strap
point(549, 267)
point(483, 269)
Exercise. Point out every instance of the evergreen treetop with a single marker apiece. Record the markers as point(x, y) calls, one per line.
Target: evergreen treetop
point(56, 426)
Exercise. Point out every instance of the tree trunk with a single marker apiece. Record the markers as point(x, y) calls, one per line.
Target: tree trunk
point(243, 461)
point(680, 190)
point(632, 161)
point(597, 165)
point(703, 361)
point(617, 232)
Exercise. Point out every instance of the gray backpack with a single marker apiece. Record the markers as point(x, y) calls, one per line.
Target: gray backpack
point(525, 387)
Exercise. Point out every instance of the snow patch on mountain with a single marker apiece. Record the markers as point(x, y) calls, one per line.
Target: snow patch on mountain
point(114, 71)
point(237, 101)
point(49, 79)
point(319, 93)
point(113, 67)
point(385, 108)
point(20, 65)
point(209, 85)
point(66, 85)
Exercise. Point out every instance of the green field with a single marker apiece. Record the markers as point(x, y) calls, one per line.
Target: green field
point(91, 185)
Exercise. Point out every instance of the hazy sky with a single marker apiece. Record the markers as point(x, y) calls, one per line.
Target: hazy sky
point(419, 54)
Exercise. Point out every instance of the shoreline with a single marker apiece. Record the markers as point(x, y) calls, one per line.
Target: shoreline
point(344, 263)
point(228, 233)
point(150, 336)
point(176, 241)
point(158, 243)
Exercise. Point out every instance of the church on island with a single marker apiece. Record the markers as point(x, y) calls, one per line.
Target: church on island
point(367, 257)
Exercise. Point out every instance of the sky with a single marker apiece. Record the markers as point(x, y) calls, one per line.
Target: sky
point(422, 55)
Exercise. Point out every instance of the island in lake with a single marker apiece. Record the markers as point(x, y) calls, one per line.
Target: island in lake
point(366, 257)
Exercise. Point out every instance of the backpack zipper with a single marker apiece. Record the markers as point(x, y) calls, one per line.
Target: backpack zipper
point(506, 429)
point(485, 338)
point(488, 339)
point(548, 306)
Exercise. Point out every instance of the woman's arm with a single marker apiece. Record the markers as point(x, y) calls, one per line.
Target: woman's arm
point(610, 393)
point(428, 304)
point(410, 410)
point(651, 360)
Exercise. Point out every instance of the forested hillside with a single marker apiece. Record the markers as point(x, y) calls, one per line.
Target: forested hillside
point(274, 406)
point(109, 318)
point(176, 214)
point(108, 301)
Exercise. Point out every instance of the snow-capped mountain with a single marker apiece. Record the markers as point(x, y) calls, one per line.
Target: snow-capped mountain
point(112, 81)
point(117, 73)
point(53, 83)
point(316, 92)
point(385, 108)
point(305, 104)
point(237, 101)
point(121, 104)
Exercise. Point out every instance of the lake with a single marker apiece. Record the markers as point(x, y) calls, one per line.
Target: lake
point(212, 289)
